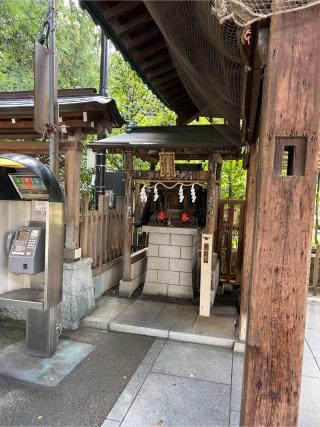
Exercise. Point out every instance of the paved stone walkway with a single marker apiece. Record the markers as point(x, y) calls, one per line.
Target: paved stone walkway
point(164, 320)
point(184, 384)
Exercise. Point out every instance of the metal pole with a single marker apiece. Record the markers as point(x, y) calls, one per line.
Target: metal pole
point(104, 65)
point(100, 182)
point(53, 92)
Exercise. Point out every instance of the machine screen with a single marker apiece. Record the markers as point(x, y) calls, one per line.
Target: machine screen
point(23, 235)
point(29, 187)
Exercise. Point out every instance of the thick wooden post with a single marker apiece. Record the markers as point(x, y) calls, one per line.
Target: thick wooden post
point(72, 202)
point(128, 217)
point(287, 166)
point(248, 241)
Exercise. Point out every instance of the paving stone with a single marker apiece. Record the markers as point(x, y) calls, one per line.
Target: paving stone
point(175, 316)
point(195, 361)
point(153, 250)
point(159, 238)
point(197, 338)
point(108, 308)
point(154, 351)
point(172, 401)
point(125, 400)
point(234, 419)
point(142, 313)
point(217, 326)
point(178, 291)
point(313, 315)
point(309, 414)
point(181, 239)
point(237, 372)
point(169, 277)
point(183, 265)
point(14, 362)
point(156, 263)
point(110, 423)
point(313, 339)
point(138, 330)
point(310, 366)
point(169, 251)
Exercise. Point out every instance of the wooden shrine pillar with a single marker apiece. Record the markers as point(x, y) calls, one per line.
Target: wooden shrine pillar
point(128, 165)
point(248, 240)
point(286, 179)
point(72, 202)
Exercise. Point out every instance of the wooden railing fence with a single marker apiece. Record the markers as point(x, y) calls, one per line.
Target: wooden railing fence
point(101, 231)
point(230, 239)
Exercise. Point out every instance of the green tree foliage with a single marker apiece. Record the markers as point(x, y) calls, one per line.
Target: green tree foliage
point(233, 180)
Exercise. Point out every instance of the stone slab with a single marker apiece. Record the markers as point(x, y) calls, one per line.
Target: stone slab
point(152, 288)
point(38, 370)
point(176, 316)
point(185, 279)
point(157, 238)
point(110, 423)
point(310, 366)
point(154, 351)
point(237, 373)
point(181, 239)
point(108, 308)
point(142, 313)
point(195, 361)
point(187, 252)
point(138, 330)
point(152, 276)
point(313, 339)
point(218, 326)
point(153, 249)
point(128, 395)
point(169, 251)
point(197, 338)
point(183, 265)
point(172, 401)
point(309, 414)
point(234, 419)
point(170, 230)
point(156, 263)
point(168, 277)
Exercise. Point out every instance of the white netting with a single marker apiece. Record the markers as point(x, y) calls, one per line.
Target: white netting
point(206, 55)
point(245, 12)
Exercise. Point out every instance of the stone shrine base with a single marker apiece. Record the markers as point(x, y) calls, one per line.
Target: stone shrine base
point(172, 261)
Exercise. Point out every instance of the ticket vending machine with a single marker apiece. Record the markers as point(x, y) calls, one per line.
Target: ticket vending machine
point(31, 256)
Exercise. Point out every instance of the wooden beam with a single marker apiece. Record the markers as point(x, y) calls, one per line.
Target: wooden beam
point(141, 19)
point(35, 147)
point(72, 203)
point(283, 222)
point(111, 13)
point(127, 242)
point(145, 36)
point(248, 241)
